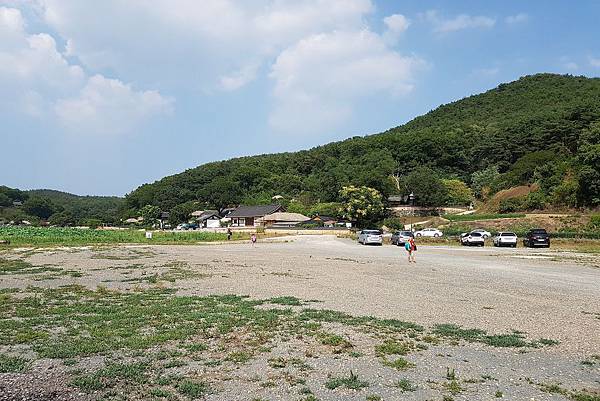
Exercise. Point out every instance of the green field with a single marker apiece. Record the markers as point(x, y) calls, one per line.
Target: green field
point(76, 236)
point(476, 217)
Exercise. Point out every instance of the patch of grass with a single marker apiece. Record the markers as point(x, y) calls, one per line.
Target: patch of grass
point(160, 393)
point(73, 236)
point(374, 397)
point(476, 217)
point(193, 389)
point(13, 364)
point(547, 341)
point(498, 394)
point(110, 375)
point(239, 357)
point(352, 382)
point(394, 347)
point(514, 339)
point(398, 363)
point(291, 301)
point(453, 387)
point(334, 340)
point(405, 385)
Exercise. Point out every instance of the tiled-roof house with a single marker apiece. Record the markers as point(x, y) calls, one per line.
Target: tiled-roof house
point(248, 216)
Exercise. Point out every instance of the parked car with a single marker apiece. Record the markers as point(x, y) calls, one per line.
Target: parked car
point(182, 226)
point(537, 237)
point(370, 237)
point(429, 232)
point(400, 237)
point(505, 239)
point(472, 238)
point(486, 234)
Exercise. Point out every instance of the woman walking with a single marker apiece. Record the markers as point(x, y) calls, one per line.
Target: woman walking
point(411, 248)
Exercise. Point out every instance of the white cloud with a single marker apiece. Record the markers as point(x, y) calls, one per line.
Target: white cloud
point(321, 54)
point(108, 106)
point(594, 62)
point(193, 44)
point(239, 78)
point(34, 76)
point(318, 80)
point(460, 22)
point(395, 24)
point(516, 19)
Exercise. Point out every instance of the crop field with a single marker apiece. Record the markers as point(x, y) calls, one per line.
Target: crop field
point(76, 236)
point(300, 319)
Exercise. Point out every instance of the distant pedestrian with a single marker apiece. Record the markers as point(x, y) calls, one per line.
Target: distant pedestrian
point(253, 239)
point(229, 233)
point(411, 248)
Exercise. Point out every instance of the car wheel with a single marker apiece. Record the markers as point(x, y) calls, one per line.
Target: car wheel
point(436, 235)
point(418, 235)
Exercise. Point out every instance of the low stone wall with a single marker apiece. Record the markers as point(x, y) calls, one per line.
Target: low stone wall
point(308, 231)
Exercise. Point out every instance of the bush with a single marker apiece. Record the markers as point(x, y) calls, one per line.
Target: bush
point(394, 223)
point(535, 201)
point(510, 205)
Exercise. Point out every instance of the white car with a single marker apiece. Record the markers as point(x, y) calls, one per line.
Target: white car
point(506, 239)
point(486, 234)
point(472, 238)
point(366, 237)
point(429, 232)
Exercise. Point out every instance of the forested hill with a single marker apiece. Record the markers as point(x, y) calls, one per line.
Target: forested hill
point(543, 128)
point(59, 208)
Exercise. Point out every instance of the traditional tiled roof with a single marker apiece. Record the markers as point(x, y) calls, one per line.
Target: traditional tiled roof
point(255, 211)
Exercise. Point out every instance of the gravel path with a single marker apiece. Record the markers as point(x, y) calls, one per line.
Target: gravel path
point(545, 293)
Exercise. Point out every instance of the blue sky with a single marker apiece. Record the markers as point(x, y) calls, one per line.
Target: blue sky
point(101, 97)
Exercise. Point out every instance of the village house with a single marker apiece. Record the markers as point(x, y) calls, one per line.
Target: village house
point(209, 219)
point(248, 216)
point(282, 219)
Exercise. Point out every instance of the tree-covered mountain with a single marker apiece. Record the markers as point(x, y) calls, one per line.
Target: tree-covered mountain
point(60, 208)
point(542, 128)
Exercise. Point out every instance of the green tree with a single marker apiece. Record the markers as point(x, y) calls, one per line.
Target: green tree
point(362, 205)
point(458, 193)
point(481, 181)
point(427, 188)
point(39, 207)
point(5, 200)
point(182, 212)
point(62, 219)
point(150, 213)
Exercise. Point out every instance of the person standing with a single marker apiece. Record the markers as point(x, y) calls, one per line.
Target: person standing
point(410, 247)
point(253, 239)
point(229, 233)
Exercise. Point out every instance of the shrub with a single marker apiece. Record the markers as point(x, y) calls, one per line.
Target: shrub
point(510, 205)
point(394, 223)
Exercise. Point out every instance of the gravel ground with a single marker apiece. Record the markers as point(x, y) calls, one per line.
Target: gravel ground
point(544, 293)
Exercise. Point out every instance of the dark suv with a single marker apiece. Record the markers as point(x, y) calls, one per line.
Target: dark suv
point(537, 237)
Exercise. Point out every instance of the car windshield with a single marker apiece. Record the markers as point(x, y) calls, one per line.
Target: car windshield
point(538, 231)
point(407, 233)
point(476, 234)
point(508, 234)
point(372, 232)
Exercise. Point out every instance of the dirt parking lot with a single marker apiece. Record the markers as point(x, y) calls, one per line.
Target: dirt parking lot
point(460, 324)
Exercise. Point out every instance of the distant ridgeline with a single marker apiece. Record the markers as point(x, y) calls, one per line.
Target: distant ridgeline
point(542, 129)
point(60, 208)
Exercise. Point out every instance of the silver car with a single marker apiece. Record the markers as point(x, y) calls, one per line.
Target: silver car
point(505, 239)
point(366, 237)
